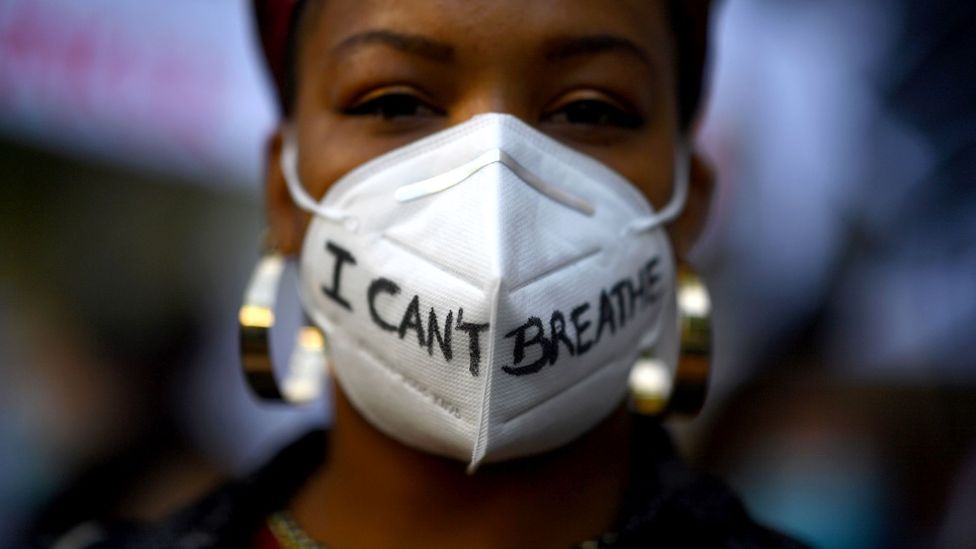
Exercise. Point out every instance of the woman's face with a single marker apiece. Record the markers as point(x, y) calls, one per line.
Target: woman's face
point(374, 75)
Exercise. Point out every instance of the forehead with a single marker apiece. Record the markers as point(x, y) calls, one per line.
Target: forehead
point(517, 27)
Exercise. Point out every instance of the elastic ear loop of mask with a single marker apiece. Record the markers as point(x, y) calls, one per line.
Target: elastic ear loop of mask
point(289, 166)
point(679, 197)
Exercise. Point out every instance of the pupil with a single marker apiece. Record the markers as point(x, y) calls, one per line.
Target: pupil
point(399, 105)
point(588, 112)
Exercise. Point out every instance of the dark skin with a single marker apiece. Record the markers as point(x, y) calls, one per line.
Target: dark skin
point(375, 75)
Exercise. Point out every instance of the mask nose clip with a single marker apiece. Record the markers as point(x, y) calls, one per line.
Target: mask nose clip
point(444, 181)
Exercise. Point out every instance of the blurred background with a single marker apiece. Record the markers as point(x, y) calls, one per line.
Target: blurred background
point(840, 257)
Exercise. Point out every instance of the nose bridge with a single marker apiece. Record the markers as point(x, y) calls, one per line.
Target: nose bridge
point(498, 93)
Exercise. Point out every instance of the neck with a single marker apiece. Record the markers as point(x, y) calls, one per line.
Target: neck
point(373, 491)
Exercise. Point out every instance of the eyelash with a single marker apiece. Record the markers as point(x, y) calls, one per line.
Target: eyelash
point(582, 112)
point(393, 106)
point(594, 113)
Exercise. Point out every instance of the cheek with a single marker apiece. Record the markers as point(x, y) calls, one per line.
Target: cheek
point(333, 144)
point(647, 158)
point(336, 147)
point(654, 177)
point(647, 164)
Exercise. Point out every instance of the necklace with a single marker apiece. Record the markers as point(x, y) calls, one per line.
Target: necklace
point(289, 534)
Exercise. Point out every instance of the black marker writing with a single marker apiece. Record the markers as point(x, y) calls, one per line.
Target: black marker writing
point(434, 332)
point(532, 343)
point(342, 256)
point(472, 329)
point(606, 316)
point(580, 327)
point(538, 338)
point(557, 327)
point(411, 320)
point(376, 287)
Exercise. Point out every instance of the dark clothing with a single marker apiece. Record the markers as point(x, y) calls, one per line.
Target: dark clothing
point(667, 504)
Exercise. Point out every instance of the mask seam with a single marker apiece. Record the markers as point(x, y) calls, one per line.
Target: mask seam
point(481, 443)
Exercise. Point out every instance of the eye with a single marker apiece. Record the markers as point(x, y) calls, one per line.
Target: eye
point(393, 106)
point(594, 112)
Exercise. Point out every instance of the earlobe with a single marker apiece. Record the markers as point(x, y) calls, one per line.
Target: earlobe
point(688, 227)
point(286, 222)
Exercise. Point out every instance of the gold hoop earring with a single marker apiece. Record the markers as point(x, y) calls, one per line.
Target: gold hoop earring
point(654, 392)
point(308, 362)
point(694, 367)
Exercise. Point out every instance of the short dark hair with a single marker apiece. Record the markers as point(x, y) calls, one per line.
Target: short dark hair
point(282, 23)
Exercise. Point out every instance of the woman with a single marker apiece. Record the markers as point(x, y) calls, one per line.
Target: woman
point(483, 197)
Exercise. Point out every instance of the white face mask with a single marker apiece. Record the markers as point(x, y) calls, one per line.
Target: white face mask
point(485, 291)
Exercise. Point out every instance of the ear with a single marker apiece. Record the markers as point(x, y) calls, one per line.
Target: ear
point(286, 222)
point(689, 225)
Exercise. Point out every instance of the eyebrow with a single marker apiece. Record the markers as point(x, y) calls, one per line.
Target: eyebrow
point(407, 43)
point(561, 49)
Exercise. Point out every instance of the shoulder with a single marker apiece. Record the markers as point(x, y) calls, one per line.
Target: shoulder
point(702, 513)
point(228, 517)
point(671, 505)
